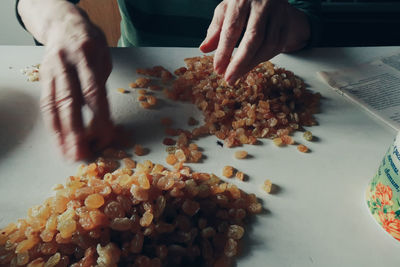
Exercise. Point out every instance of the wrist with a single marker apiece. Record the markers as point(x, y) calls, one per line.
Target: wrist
point(299, 30)
point(53, 20)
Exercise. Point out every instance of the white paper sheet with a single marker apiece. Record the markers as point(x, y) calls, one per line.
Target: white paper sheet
point(374, 85)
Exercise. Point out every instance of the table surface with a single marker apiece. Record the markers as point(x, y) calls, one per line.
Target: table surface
point(319, 216)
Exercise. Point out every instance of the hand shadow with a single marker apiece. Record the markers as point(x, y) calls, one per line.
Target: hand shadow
point(18, 113)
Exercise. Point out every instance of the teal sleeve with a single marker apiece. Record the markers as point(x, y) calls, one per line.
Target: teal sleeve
point(312, 8)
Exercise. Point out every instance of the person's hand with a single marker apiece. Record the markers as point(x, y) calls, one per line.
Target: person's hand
point(270, 27)
point(73, 73)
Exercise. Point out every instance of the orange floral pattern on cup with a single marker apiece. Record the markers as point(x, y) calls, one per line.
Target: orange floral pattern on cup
point(381, 206)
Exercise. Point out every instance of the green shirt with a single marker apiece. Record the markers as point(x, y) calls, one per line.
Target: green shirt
point(182, 23)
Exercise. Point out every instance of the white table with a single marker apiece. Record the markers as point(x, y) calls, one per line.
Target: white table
point(319, 217)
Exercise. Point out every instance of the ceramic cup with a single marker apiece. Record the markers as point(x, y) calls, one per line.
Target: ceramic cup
point(383, 193)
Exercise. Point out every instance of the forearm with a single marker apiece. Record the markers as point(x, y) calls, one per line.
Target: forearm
point(47, 20)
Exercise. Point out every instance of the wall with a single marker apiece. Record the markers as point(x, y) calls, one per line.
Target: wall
point(11, 33)
point(105, 14)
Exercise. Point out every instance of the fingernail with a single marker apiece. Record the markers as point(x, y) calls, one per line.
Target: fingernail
point(231, 80)
point(218, 69)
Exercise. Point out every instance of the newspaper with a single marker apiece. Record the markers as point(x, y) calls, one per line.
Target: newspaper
point(374, 85)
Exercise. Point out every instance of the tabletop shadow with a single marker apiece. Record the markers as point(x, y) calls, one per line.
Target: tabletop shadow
point(18, 113)
point(146, 131)
point(251, 241)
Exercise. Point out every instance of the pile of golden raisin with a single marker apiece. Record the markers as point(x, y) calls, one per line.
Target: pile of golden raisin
point(268, 102)
point(146, 215)
point(149, 216)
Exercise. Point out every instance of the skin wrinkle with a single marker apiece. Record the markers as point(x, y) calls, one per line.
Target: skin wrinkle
point(52, 116)
point(69, 108)
point(47, 101)
point(230, 33)
point(252, 39)
point(47, 104)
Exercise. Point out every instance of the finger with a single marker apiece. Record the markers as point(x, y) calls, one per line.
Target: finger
point(68, 102)
point(47, 105)
point(236, 14)
point(93, 75)
point(210, 43)
point(271, 45)
point(250, 44)
point(47, 99)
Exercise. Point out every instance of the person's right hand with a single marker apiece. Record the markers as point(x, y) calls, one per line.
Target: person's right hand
point(73, 73)
point(270, 27)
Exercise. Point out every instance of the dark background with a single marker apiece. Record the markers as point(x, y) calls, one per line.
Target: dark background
point(360, 22)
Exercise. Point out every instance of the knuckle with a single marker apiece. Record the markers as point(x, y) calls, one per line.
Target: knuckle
point(252, 37)
point(84, 41)
point(90, 91)
point(46, 102)
point(258, 3)
point(46, 105)
point(64, 99)
point(241, 3)
point(220, 8)
point(230, 34)
point(251, 34)
point(60, 54)
point(65, 102)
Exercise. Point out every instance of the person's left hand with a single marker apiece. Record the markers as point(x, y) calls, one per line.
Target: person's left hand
point(271, 27)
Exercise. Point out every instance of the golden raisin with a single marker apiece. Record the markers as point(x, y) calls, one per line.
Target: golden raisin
point(171, 159)
point(169, 141)
point(302, 148)
point(94, 201)
point(133, 85)
point(142, 82)
point(142, 98)
point(139, 150)
point(122, 90)
point(145, 105)
point(308, 136)
point(142, 92)
point(278, 141)
point(129, 163)
point(152, 100)
point(240, 154)
point(227, 171)
point(287, 140)
point(240, 176)
point(267, 186)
